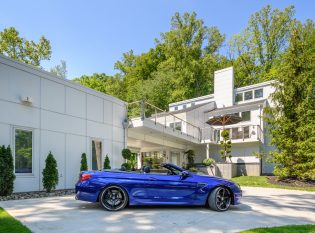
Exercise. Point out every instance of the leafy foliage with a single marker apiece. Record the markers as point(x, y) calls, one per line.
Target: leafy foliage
point(7, 176)
point(257, 50)
point(190, 154)
point(126, 153)
point(107, 162)
point(226, 145)
point(84, 166)
point(27, 51)
point(60, 70)
point(50, 173)
point(292, 118)
point(208, 162)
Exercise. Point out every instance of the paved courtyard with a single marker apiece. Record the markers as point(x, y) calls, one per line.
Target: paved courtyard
point(260, 208)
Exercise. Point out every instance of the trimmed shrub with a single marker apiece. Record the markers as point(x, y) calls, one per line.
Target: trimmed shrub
point(7, 176)
point(208, 162)
point(193, 169)
point(125, 167)
point(107, 162)
point(84, 166)
point(190, 158)
point(126, 153)
point(50, 173)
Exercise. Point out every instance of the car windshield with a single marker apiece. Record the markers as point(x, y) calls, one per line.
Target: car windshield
point(173, 168)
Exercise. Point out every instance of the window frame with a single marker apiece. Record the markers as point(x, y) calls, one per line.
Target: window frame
point(240, 93)
point(241, 115)
point(252, 97)
point(91, 151)
point(14, 128)
point(262, 89)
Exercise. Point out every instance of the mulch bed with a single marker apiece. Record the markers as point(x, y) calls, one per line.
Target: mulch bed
point(290, 182)
point(39, 194)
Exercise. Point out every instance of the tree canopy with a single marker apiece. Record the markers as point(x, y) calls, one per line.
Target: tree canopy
point(21, 49)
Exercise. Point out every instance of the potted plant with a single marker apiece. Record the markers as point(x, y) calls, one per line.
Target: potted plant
point(209, 163)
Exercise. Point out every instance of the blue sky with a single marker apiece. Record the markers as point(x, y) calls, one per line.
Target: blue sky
point(92, 35)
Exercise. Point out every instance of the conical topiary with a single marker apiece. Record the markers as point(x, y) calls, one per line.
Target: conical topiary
point(84, 166)
point(107, 162)
point(50, 173)
point(7, 176)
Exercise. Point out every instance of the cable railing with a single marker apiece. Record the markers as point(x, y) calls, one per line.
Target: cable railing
point(240, 132)
point(159, 116)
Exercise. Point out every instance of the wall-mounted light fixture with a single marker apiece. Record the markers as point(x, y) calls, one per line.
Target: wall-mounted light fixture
point(27, 99)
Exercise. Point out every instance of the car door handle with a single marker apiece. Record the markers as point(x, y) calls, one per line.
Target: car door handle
point(152, 178)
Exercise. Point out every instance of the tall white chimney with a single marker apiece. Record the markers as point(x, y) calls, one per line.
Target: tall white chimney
point(224, 87)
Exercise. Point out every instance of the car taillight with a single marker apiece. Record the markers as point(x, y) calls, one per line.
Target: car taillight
point(84, 177)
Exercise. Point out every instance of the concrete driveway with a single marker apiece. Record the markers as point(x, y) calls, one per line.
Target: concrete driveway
point(261, 208)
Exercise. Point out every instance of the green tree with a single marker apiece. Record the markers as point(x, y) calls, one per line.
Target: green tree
point(50, 173)
point(7, 176)
point(126, 153)
point(257, 50)
point(21, 49)
point(107, 162)
point(84, 166)
point(60, 70)
point(190, 154)
point(226, 145)
point(292, 118)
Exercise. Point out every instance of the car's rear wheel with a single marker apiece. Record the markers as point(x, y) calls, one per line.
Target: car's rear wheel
point(113, 198)
point(220, 199)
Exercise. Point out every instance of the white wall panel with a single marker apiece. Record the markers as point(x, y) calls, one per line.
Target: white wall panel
point(54, 142)
point(118, 114)
point(53, 96)
point(17, 114)
point(108, 112)
point(118, 134)
point(94, 108)
point(5, 134)
point(75, 146)
point(75, 102)
point(98, 130)
point(62, 123)
point(224, 87)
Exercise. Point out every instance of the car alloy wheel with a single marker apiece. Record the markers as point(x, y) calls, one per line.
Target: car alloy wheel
point(220, 199)
point(113, 198)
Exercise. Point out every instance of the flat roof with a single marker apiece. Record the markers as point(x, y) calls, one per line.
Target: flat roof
point(5, 60)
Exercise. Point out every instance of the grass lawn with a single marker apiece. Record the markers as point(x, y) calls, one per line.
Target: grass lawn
point(10, 225)
point(261, 181)
point(284, 229)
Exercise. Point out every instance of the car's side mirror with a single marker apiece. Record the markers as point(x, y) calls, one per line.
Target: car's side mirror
point(184, 174)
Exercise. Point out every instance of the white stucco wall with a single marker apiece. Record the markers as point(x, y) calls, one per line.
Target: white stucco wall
point(64, 118)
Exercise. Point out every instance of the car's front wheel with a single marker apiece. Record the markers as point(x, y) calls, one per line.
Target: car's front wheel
point(220, 199)
point(113, 198)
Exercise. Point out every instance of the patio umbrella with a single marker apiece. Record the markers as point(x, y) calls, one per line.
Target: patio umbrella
point(223, 120)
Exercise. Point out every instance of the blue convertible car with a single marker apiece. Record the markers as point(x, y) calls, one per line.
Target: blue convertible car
point(115, 189)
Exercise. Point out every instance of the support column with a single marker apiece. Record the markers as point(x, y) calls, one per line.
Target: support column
point(208, 151)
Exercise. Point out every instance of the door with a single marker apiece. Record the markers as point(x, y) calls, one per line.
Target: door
point(175, 158)
point(171, 189)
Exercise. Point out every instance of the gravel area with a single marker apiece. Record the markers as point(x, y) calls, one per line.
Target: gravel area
point(39, 194)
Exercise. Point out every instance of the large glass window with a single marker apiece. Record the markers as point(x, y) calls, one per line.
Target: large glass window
point(248, 95)
point(23, 150)
point(245, 116)
point(96, 155)
point(259, 93)
point(239, 97)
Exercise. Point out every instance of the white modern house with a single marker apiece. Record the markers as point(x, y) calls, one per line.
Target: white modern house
point(41, 112)
point(166, 135)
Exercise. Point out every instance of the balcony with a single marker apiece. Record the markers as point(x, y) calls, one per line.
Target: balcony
point(240, 133)
point(145, 117)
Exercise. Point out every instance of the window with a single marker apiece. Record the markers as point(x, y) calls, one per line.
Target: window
point(184, 106)
point(96, 155)
point(245, 116)
point(176, 125)
point(239, 97)
point(259, 93)
point(176, 108)
point(192, 104)
point(23, 150)
point(248, 95)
